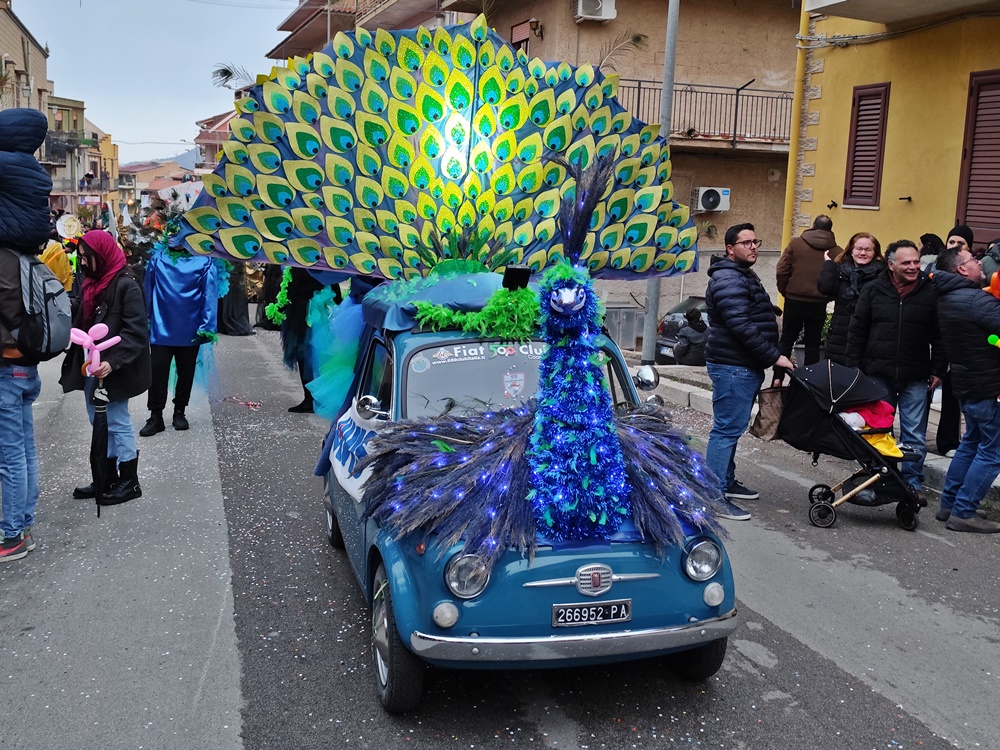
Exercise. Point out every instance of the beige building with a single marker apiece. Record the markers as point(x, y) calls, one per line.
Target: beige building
point(23, 64)
point(732, 101)
point(147, 177)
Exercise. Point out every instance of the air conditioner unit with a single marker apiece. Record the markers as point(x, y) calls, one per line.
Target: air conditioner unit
point(595, 10)
point(704, 199)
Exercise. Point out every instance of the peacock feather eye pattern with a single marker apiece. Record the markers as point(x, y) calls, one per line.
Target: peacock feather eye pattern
point(353, 158)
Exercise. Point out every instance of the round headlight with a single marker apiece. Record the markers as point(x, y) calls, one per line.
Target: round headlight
point(466, 576)
point(703, 560)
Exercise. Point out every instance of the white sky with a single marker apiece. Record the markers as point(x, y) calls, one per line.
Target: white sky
point(143, 67)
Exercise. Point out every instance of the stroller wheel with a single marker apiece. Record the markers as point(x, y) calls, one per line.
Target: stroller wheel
point(822, 514)
point(820, 493)
point(907, 516)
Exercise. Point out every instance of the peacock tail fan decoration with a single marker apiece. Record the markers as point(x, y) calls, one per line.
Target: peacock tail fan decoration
point(356, 157)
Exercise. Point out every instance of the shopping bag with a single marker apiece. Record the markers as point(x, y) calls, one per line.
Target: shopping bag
point(770, 405)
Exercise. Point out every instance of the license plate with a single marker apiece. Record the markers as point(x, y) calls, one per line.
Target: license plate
point(591, 613)
point(667, 351)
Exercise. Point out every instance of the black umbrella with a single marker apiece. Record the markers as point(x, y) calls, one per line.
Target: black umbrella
point(99, 443)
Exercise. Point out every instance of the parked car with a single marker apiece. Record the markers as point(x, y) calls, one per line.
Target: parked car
point(670, 324)
point(572, 605)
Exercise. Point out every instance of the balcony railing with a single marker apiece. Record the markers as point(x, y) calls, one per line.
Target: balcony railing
point(719, 113)
point(90, 187)
point(366, 7)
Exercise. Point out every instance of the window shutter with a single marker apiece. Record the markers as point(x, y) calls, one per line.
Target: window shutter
point(979, 188)
point(866, 149)
point(520, 33)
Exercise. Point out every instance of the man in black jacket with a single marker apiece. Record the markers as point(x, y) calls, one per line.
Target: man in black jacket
point(894, 338)
point(970, 316)
point(742, 343)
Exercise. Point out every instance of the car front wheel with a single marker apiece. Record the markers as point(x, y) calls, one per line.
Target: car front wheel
point(399, 675)
point(697, 664)
point(332, 527)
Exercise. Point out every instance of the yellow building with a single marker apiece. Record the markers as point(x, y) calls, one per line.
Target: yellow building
point(900, 130)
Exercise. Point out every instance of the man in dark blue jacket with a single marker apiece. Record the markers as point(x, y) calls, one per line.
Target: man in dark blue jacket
point(742, 343)
point(970, 316)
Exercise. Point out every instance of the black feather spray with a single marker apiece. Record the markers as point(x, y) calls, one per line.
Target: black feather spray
point(578, 206)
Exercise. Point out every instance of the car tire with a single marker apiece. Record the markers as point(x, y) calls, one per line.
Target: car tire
point(332, 527)
point(698, 664)
point(399, 675)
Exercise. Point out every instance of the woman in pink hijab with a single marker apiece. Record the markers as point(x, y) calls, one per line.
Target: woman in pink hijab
point(110, 294)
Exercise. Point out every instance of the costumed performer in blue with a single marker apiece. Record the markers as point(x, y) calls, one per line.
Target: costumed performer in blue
point(182, 301)
point(291, 310)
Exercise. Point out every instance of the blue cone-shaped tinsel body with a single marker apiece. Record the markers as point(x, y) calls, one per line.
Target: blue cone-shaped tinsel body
point(579, 488)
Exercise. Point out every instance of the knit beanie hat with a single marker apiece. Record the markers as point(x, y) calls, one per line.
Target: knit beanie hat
point(960, 231)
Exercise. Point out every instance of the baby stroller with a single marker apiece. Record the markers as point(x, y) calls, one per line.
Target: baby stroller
point(810, 422)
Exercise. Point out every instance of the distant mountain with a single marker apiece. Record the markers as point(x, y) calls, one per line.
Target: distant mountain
point(186, 159)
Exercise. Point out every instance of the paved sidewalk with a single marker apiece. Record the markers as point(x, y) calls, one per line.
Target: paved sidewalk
point(690, 387)
point(118, 632)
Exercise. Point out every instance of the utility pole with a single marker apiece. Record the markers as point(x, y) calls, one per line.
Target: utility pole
point(652, 318)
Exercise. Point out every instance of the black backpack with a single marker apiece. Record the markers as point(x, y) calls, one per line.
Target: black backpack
point(46, 318)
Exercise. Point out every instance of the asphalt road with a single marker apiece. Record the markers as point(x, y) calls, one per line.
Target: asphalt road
point(212, 612)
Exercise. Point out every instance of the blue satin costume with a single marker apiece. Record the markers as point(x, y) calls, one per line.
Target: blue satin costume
point(181, 299)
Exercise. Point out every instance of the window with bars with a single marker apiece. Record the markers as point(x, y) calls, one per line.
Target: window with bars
point(866, 149)
point(979, 186)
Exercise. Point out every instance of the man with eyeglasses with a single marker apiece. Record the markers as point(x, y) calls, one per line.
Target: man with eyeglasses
point(970, 316)
point(742, 344)
point(797, 274)
point(894, 338)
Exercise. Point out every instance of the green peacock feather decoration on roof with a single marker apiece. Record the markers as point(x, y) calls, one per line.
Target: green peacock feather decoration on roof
point(361, 157)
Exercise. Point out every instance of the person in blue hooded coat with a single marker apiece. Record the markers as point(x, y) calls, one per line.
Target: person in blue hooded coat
point(24, 228)
point(182, 302)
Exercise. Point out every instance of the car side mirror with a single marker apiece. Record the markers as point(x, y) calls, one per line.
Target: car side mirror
point(646, 378)
point(370, 407)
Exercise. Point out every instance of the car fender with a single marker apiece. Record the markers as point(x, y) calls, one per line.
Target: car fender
point(405, 597)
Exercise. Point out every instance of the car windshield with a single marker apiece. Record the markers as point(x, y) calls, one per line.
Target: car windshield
point(466, 376)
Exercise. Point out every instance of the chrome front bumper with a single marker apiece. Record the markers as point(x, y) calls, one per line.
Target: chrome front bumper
point(576, 646)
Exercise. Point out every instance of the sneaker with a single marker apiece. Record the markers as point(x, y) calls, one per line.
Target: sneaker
point(29, 542)
point(180, 421)
point(13, 548)
point(733, 512)
point(975, 524)
point(306, 407)
point(737, 491)
point(943, 514)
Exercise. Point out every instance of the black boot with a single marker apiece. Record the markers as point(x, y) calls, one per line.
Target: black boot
point(306, 407)
point(180, 421)
point(87, 492)
point(153, 425)
point(128, 485)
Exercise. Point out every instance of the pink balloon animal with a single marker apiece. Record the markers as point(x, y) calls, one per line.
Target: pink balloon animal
point(91, 349)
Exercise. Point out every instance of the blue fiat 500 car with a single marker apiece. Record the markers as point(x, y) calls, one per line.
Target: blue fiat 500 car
point(575, 604)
